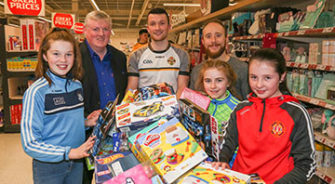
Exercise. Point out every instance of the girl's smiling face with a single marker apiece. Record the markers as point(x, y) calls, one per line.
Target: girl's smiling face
point(60, 57)
point(264, 80)
point(215, 83)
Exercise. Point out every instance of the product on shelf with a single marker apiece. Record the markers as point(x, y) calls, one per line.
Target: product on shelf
point(15, 114)
point(32, 33)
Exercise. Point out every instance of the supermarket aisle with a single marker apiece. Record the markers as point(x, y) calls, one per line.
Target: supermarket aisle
point(15, 165)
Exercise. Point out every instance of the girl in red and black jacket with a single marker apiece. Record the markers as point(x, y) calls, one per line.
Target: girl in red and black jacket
point(273, 131)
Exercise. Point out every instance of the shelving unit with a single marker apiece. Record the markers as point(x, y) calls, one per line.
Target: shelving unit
point(14, 100)
point(326, 174)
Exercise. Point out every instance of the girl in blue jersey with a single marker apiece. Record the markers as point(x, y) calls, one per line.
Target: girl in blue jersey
point(216, 79)
point(53, 125)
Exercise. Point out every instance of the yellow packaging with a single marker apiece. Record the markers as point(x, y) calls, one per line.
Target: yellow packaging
point(205, 174)
point(171, 150)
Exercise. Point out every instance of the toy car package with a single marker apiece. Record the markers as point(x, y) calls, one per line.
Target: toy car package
point(156, 91)
point(196, 97)
point(171, 150)
point(136, 115)
point(107, 167)
point(104, 123)
point(206, 174)
point(196, 121)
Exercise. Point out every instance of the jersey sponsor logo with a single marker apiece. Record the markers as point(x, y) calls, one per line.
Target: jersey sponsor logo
point(277, 129)
point(159, 57)
point(147, 61)
point(59, 100)
point(171, 60)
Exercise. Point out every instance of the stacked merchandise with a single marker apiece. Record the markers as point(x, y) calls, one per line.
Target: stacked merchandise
point(159, 147)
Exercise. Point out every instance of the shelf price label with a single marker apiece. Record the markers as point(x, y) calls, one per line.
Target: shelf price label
point(314, 101)
point(327, 30)
point(329, 106)
point(305, 65)
point(301, 32)
point(321, 67)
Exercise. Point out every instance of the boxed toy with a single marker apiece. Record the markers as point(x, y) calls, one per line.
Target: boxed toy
point(196, 97)
point(206, 174)
point(107, 167)
point(134, 175)
point(196, 121)
point(32, 33)
point(171, 150)
point(134, 116)
point(133, 138)
point(104, 123)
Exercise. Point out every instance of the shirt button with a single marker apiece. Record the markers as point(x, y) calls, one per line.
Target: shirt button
point(107, 94)
point(104, 83)
point(103, 73)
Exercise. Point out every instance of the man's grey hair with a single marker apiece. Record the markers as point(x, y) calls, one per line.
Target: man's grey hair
point(98, 15)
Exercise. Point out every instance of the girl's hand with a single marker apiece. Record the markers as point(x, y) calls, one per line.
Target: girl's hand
point(220, 165)
point(92, 118)
point(82, 150)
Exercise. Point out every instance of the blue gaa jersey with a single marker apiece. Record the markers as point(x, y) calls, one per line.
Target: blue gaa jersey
point(52, 118)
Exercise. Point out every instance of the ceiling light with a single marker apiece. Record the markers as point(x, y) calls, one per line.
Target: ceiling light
point(182, 4)
point(94, 5)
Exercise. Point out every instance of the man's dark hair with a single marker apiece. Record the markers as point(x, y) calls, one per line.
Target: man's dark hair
point(159, 11)
point(142, 31)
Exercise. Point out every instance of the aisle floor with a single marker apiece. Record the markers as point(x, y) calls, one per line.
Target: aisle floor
point(15, 165)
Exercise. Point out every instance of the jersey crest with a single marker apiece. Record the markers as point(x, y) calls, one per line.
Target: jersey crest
point(277, 128)
point(171, 60)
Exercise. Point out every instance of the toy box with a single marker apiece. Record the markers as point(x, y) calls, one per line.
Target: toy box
point(171, 150)
point(107, 167)
point(216, 136)
point(134, 175)
point(134, 116)
point(196, 121)
point(104, 123)
point(133, 138)
point(196, 98)
point(148, 92)
point(206, 174)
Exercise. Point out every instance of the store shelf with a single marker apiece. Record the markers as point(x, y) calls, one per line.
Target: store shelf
point(15, 101)
point(310, 66)
point(326, 174)
point(324, 140)
point(16, 97)
point(315, 101)
point(21, 54)
point(12, 128)
point(320, 32)
point(19, 74)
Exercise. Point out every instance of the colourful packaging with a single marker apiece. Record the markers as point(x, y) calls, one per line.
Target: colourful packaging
point(135, 116)
point(206, 174)
point(133, 138)
point(171, 150)
point(196, 98)
point(134, 175)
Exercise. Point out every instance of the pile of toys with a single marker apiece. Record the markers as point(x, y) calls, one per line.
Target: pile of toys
point(148, 138)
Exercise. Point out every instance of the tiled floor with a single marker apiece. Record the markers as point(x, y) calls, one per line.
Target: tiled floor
point(15, 165)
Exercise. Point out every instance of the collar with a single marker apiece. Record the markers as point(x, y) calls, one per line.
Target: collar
point(222, 101)
point(92, 52)
point(167, 48)
point(274, 100)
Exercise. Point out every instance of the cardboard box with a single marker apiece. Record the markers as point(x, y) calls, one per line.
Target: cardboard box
point(196, 121)
point(32, 33)
point(107, 167)
point(205, 174)
point(196, 98)
point(135, 116)
point(133, 138)
point(171, 150)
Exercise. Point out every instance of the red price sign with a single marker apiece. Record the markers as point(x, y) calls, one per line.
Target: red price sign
point(79, 28)
point(63, 20)
point(25, 7)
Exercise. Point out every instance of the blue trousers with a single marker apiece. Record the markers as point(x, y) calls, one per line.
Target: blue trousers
point(65, 172)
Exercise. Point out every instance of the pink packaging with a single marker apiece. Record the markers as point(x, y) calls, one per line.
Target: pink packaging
point(196, 97)
point(136, 174)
